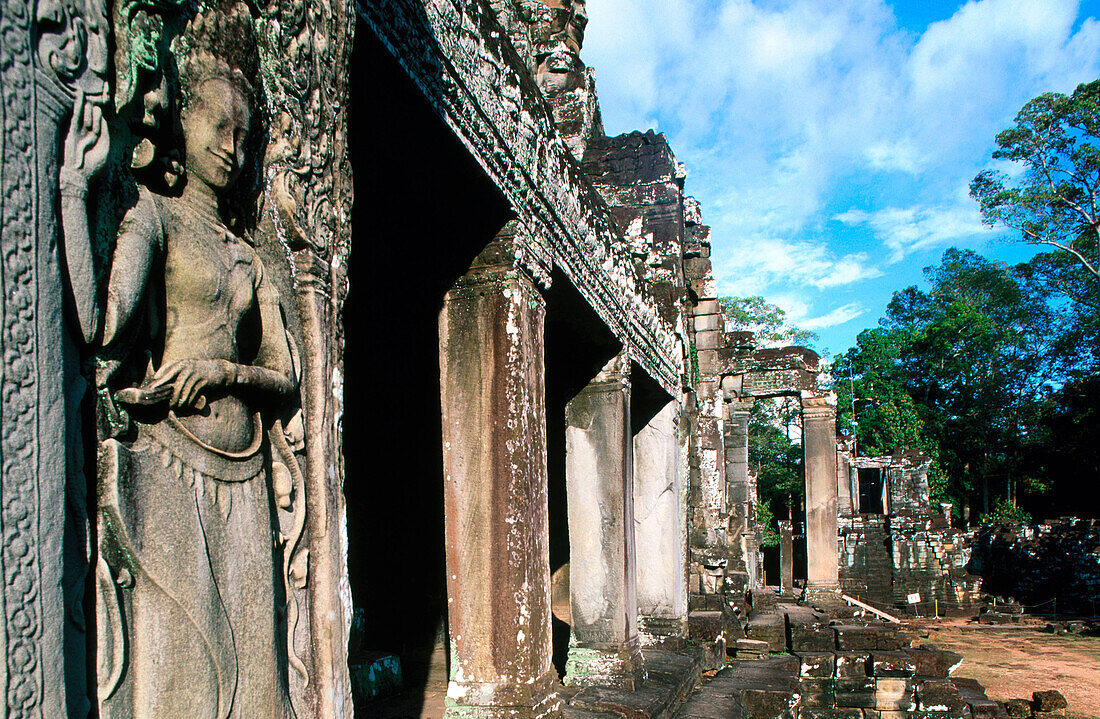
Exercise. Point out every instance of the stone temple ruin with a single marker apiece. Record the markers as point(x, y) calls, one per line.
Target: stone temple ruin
point(894, 548)
point(344, 352)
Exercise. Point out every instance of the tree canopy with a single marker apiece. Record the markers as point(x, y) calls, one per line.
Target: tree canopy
point(961, 371)
point(1053, 202)
point(768, 321)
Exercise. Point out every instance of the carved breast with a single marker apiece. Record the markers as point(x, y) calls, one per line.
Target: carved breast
point(209, 286)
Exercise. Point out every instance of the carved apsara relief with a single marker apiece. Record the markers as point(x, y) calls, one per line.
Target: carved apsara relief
point(198, 523)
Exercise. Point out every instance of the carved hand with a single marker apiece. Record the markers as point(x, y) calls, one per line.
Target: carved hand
point(86, 145)
point(190, 377)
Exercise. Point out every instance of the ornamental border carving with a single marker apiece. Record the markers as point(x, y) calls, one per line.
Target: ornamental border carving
point(22, 606)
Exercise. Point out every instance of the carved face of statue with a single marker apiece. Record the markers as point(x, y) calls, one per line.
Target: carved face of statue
point(215, 132)
point(569, 18)
point(575, 23)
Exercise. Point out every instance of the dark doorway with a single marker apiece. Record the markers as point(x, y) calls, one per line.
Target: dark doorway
point(423, 209)
point(870, 490)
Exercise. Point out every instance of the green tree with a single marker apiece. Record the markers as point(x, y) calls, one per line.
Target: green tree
point(958, 371)
point(777, 461)
point(1053, 203)
point(767, 321)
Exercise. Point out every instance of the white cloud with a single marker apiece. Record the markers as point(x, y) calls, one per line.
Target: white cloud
point(905, 231)
point(839, 316)
point(750, 267)
point(901, 155)
point(788, 113)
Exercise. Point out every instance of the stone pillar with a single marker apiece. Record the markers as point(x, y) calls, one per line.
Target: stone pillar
point(741, 495)
point(660, 527)
point(846, 503)
point(786, 557)
point(599, 471)
point(495, 495)
point(819, 446)
point(710, 514)
point(853, 483)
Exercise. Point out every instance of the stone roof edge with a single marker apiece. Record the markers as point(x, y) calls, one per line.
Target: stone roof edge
point(468, 70)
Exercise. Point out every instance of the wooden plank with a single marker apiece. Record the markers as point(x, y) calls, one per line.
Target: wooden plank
point(868, 607)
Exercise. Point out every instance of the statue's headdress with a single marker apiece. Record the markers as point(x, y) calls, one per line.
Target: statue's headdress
point(218, 42)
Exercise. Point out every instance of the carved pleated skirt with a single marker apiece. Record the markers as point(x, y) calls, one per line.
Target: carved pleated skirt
point(191, 601)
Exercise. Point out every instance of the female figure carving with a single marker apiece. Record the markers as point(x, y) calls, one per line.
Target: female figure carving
point(189, 536)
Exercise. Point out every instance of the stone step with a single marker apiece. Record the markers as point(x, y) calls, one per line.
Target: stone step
point(766, 688)
point(670, 679)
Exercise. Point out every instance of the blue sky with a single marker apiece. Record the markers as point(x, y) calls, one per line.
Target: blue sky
point(831, 142)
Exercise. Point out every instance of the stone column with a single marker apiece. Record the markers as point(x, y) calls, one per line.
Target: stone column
point(819, 446)
point(786, 557)
point(599, 471)
point(846, 504)
point(660, 527)
point(741, 495)
point(495, 497)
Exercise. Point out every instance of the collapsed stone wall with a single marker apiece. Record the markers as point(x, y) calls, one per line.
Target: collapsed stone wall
point(1057, 560)
point(908, 549)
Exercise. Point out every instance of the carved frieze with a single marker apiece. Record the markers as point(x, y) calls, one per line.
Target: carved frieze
point(463, 61)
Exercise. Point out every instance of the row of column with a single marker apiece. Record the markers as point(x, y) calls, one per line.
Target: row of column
point(624, 500)
point(624, 497)
point(820, 458)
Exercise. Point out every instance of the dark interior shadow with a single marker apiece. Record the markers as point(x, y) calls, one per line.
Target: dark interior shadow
point(423, 210)
point(578, 345)
point(647, 398)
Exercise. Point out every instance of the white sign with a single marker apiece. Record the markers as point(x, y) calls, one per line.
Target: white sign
point(914, 598)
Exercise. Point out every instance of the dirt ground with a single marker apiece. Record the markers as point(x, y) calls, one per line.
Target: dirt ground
point(1012, 662)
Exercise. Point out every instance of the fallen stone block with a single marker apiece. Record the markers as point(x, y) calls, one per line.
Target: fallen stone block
point(894, 694)
point(768, 628)
point(811, 638)
point(854, 637)
point(984, 708)
point(1018, 708)
point(1049, 703)
point(940, 695)
point(708, 629)
point(768, 704)
point(816, 664)
point(968, 688)
point(852, 664)
point(855, 692)
point(763, 600)
point(892, 664)
point(748, 649)
point(816, 692)
point(934, 662)
point(807, 630)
